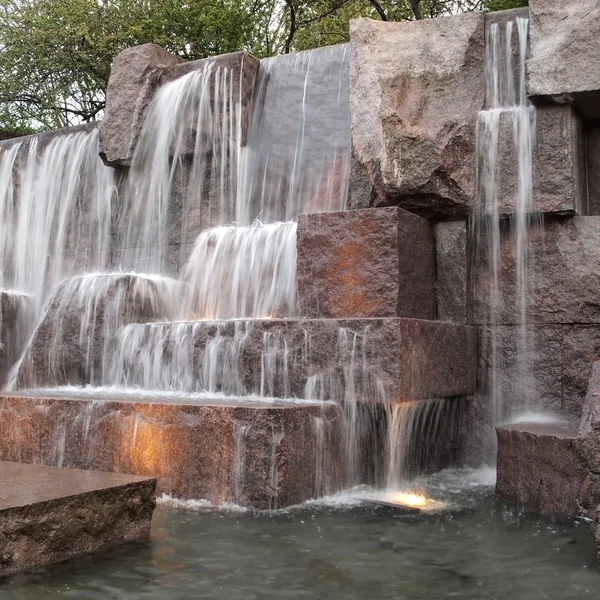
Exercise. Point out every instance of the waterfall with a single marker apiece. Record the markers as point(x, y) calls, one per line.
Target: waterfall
point(508, 115)
point(55, 212)
point(242, 272)
point(190, 143)
point(55, 216)
point(412, 429)
point(299, 138)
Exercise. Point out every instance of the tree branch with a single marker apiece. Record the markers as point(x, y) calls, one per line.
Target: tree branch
point(379, 9)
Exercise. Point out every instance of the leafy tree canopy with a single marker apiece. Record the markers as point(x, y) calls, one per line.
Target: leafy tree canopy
point(55, 55)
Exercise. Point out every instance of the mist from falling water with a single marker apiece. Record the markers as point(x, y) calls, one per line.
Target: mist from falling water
point(507, 104)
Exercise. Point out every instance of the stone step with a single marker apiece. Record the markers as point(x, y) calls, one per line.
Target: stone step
point(263, 454)
point(539, 466)
point(48, 515)
point(374, 360)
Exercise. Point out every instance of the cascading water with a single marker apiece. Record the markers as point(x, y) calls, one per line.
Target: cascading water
point(242, 272)
point(55, 217)
point(202, 193)
point(508, 120)
point(298, 155)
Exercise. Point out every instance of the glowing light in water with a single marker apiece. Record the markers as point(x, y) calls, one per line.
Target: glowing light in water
point(414, 500)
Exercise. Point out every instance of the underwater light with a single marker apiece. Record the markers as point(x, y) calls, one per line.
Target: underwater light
point(408, 501)
point(414, 500)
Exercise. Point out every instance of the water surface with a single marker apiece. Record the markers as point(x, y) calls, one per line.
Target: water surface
point(478, 549)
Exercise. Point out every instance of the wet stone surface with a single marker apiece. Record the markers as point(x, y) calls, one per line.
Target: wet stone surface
point(48, 515)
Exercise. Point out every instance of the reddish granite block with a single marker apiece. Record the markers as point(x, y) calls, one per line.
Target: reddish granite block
point(259, 454)
point(539, 466)
point(366, 263)
point(48, 515)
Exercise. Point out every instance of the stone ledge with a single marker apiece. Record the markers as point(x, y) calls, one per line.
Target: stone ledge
point(381, 360)
point(257, 454)
point(48, 515)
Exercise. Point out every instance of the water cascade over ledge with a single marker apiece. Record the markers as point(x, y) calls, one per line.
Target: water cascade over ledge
point(171, 280)
point(505, 141)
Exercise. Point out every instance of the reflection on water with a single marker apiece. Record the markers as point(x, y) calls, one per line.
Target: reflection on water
point(479, 549)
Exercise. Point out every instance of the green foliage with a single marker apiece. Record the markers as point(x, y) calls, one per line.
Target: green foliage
point(493, 5)
point(55, 55)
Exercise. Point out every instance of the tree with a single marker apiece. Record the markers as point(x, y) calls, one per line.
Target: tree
point(55, 55)
point(493, 5)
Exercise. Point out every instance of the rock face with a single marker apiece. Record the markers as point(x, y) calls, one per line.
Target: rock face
point(592, 144)
point(134, 78)
point(541, 385)
point(559, 178)
point(558, 162)
point(414, 96)
point(562, 307)
point(589, 448)
point(451, 272)
point(259, 454)
point(366, 263)
point(539, 466)
point(48, 515)
point(563, 33)
point(566, 281)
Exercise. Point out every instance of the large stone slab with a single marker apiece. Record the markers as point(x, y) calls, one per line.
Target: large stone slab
point(264, 454)
point(366, 263)
point(564, 47)
point(414, 94)
point(134, 78)
point(367, 360)
point(49, 515)
point(563, 257)
point(539, 466)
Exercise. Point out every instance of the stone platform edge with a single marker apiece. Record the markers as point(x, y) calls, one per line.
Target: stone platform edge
point(48, 528)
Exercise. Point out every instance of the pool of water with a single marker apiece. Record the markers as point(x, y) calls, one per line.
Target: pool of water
point(478, 548)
